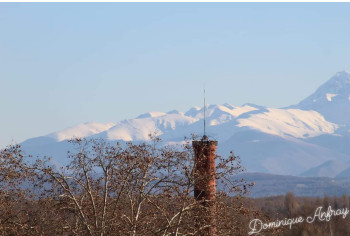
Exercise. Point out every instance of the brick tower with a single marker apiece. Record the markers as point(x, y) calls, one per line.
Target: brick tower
point(205, 183)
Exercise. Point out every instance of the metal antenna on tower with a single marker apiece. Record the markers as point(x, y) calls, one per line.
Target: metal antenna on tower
point(204, 137)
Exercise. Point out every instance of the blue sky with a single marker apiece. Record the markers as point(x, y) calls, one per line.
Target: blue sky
point(62, 64)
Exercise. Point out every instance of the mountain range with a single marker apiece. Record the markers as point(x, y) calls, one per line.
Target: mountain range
point(308, 139)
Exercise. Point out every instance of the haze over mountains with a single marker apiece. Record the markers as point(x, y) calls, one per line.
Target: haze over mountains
point(308, 139)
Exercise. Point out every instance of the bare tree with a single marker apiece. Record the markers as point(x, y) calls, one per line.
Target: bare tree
point(16, 193)
point(132, 189)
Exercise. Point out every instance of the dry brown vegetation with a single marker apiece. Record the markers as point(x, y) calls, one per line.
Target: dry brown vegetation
point(139, 189)
point(115, 190)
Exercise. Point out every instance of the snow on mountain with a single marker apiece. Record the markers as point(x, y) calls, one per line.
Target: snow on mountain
point(218, 112)
point(139, 129)
point(81, 131)
point(173, 123)
point(329, 96)
point(269, 139)
point(262, 152)
point(289, 123)
point(151, 114)
point(293, 140)
point(224, 113)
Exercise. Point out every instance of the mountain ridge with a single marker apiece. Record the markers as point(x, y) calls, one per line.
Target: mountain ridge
point(272, 140)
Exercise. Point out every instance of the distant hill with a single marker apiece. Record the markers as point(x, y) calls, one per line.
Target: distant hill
point(273, 185)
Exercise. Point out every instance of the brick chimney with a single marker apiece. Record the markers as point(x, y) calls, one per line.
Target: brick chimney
point(205, 183)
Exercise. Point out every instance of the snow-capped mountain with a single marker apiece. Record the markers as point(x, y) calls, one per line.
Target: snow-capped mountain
point(82, 130)
point(332, 99)
point(304, 138)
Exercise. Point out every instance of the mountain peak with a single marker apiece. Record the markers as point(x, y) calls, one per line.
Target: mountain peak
point(343, 73)
point(330, 98)
point(150, 114)
point(337, 86)
point(174, 112)
point(338, 81)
